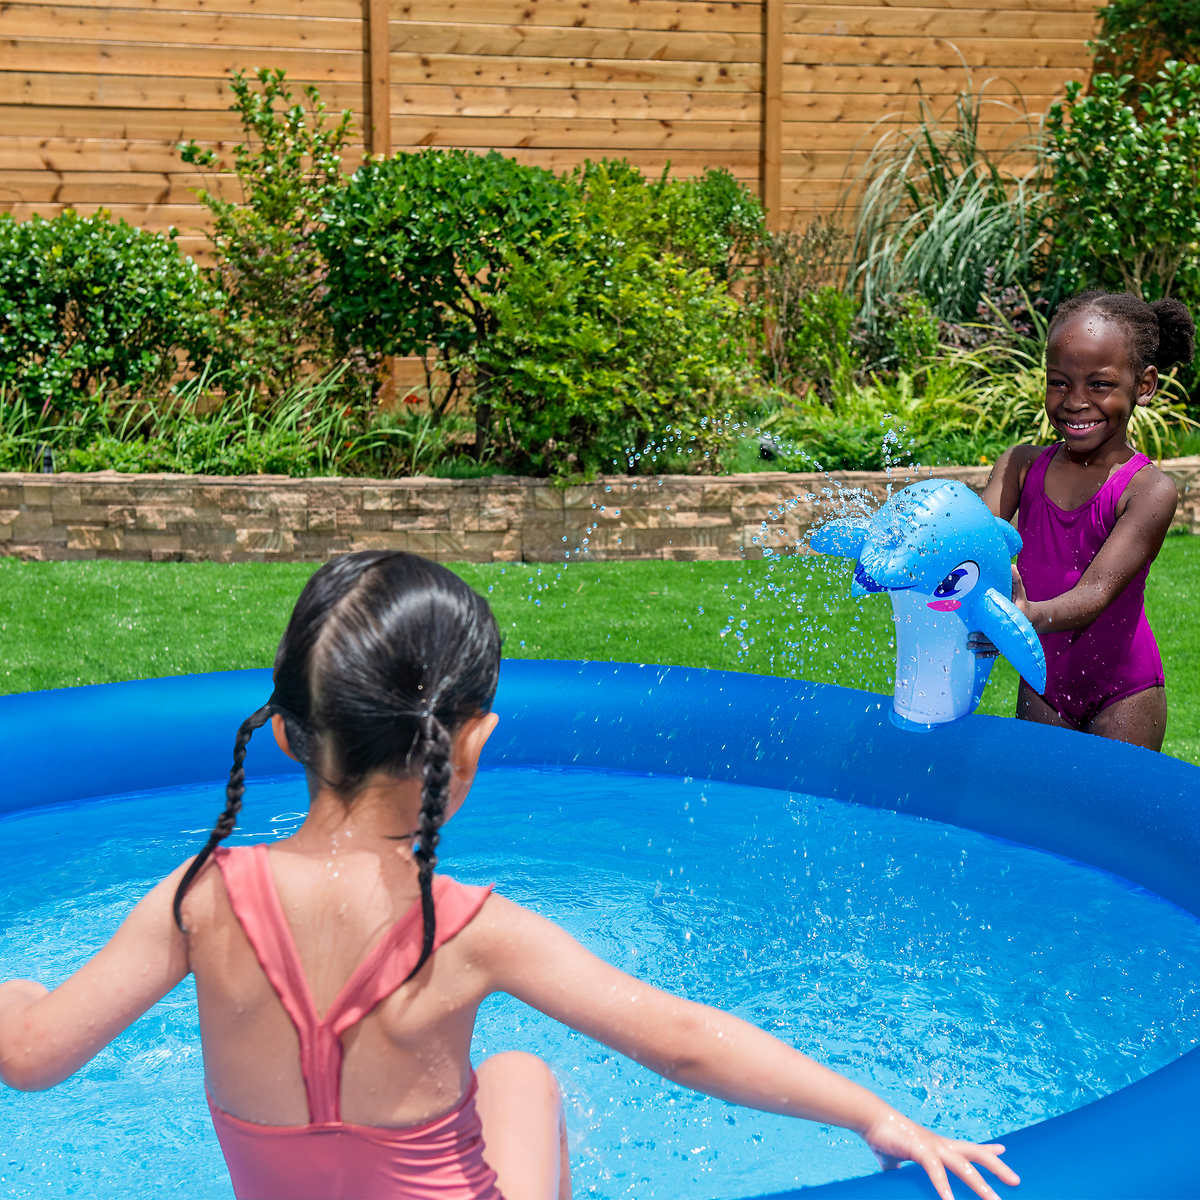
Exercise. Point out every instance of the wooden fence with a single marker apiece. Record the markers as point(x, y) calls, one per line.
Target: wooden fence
point(94, 97)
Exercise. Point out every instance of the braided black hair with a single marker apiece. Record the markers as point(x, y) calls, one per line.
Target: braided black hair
point(385, 655)
point(227, 821)
point(1160, 334)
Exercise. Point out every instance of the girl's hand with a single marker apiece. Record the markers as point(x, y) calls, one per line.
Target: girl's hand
point(1018, 591)
point(896, 1139)
point(981, 645)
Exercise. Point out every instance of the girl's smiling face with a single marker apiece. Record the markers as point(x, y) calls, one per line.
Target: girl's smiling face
point(1091, 386)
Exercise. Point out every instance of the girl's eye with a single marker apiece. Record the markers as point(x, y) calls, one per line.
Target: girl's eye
point(959, 582)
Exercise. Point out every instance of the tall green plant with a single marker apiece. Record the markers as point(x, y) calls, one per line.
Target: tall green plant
point(1126, 183)
point(936, 210)
point(288, 170)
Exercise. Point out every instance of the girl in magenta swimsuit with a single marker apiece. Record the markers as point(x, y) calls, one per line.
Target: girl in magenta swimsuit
point(338, 978)
point(1092, 514)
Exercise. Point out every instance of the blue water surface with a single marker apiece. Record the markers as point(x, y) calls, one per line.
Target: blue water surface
point(980, 986)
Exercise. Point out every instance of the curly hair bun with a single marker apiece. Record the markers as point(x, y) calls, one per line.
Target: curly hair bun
point(1176, 333)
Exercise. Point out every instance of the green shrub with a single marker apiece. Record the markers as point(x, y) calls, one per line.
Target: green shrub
point(417, 243)
point(930, 416)
point(89, 303)
point(818, 347)
point(793, 264)
point(1137, 38)
point(604, 338)
point(904, 336)
point(1127, 183)
point(288, 170)
point(710, 220)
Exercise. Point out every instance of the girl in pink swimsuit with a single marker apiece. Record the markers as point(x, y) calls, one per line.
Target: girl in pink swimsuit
point(1092, 514)
point(338, 978)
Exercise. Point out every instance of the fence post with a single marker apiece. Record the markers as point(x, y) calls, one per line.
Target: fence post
point(772, 112)
point(379, 79)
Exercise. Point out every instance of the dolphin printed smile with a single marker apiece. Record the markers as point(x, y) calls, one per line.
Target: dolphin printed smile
point(946, 562)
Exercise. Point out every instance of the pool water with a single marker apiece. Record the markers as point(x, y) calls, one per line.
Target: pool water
point(980, 986)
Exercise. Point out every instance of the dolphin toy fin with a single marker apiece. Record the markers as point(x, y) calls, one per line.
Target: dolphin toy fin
point(843, 537)
point(1012, 539)
point(1008, 630)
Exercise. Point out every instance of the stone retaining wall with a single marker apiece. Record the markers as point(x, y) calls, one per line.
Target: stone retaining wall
point(501, 519)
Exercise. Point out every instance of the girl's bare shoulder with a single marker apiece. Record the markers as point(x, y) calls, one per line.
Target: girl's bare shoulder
point(1152, 488)
point(1002, 493)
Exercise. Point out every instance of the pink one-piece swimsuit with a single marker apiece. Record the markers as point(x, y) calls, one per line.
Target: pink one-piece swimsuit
point(330, 1159)
point(1116, 655)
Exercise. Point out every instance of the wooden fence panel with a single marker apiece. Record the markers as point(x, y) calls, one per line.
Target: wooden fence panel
point(95, 96)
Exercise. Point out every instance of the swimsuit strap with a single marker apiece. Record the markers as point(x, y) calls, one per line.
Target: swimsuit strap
point(246, 872)
point(1036, 475)
point(1120, 481)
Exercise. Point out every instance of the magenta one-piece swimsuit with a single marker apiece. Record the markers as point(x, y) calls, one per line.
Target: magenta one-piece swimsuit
point(329, 1159)
point(1116, 655)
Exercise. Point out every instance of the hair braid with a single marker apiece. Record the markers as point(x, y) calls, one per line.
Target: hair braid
point(435, 792)
point(227, 821)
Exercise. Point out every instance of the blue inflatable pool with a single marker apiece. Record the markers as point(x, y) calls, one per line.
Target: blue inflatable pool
point(1127, 811)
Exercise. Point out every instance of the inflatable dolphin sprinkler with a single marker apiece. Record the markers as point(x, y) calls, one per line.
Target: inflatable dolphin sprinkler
point(945, 559)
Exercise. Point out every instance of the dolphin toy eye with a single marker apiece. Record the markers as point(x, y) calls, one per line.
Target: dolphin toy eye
point(948, 594)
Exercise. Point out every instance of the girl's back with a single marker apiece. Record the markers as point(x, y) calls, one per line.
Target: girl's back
point(405, 1061)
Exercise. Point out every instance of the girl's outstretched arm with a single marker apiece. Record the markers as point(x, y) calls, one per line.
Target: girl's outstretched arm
point(703, 1048)
point(46, 1036)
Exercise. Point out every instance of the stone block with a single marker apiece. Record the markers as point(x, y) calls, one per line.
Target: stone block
point(546, 499)
point(32, 524)
point(321, 519)
point(140, 542)
point(269, 542)
point(376, 498)
point(95, 537)
point(348, 519)
point(150, 517)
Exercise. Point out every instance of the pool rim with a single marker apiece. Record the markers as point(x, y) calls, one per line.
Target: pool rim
point(1122, 809)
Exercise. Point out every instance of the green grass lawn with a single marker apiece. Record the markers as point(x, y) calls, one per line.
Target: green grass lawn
point(64, 624)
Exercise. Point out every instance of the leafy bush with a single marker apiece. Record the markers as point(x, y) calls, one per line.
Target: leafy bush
point(709, 220)
point(818, 347)
point(1127, 183)
point(309, 430)
point(418, 242)
point(793, 266)
point(928, 416)
point(902, 338)
point(88, 303)
point(1137, 38)
point(603, 337)
point(288, 170)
